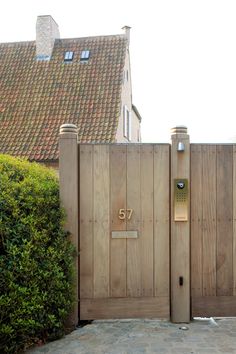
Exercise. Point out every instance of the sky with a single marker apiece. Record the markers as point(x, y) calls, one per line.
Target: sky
point(183, 56)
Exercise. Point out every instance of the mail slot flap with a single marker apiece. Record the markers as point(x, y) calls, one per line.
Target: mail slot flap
point(124, 234)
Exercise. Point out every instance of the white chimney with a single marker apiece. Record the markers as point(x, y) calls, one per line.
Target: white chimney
point(46, 32)
point(127, 32)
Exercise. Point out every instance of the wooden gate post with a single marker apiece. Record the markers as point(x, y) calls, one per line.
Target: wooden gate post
point(68, 174)
point(180, 229)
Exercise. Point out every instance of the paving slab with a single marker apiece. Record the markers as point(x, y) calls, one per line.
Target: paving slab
point(201, 336)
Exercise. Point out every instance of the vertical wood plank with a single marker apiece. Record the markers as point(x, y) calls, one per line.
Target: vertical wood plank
point(134, 251)
point(118, 201)
point(224, 220)
point(180, 234)
point(86, 221)
point(146, 236)
point(101, 221)
point(209, 219)
point(196, 220)
point(234, 220)
point(69, 196)
point(161, 219)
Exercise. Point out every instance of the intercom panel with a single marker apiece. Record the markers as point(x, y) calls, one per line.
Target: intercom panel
point(181, 195)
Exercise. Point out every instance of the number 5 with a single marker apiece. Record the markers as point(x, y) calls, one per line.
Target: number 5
point(122, 214)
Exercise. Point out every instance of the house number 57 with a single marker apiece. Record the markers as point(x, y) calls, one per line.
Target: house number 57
point(125, 214)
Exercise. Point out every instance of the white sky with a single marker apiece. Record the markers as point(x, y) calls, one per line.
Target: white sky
point(183, 56)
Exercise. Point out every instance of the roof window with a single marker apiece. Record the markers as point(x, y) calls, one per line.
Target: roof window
point(85, 55)
point(68, 56)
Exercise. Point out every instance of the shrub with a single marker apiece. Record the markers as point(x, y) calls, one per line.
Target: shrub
point(36, 258)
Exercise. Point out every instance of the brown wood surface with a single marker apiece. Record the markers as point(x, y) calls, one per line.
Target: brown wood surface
point(218, 306)
point(144, 307)
point(234, 220)
point(124, 277)
point(161, 220)
point(196, 220)
point(134, 250)
point(101, 211)
point(147, 220)
point(118, 201)
point(86, 221)
point(224, 220)
point(217, 198)
point(180, 237)
point(69, 196)
point(209, 197)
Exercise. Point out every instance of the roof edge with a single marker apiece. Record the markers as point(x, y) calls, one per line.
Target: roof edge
point(13, 43)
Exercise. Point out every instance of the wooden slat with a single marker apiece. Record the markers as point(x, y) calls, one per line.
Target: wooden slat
point(224, 220)
point(196, 220)
point(145, 307)
point(234, 219)
point(118, 201)
point(209, 219)
point(218, 306)
point(147, 220)
point(134, 250)
point(101, 221)
point(86, 221)
point(161, 220)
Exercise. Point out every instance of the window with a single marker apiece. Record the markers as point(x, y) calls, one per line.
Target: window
point(68, 56)
point(125, 76)
point(85, 55)
point(127, 123)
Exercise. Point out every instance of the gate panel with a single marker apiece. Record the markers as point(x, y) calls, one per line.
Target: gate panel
point(124, 277)
point(212, 237)
point(86, 217)
point(208, 207)
point(224, 221)
point(161, 220)
point(118, 201)
point(196, 221)
point(146, 241)
point(101, 217)
point(134, 251)
point(234, 220)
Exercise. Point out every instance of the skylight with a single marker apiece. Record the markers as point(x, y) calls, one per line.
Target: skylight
point(68, 56)
point(85, 55)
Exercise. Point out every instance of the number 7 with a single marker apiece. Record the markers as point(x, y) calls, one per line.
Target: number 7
point(129, 212)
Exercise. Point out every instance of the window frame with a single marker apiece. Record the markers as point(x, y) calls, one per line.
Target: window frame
point(85, 55)
point(127, 123)
point(68, 55)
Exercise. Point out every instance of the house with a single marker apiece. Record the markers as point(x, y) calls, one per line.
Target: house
point(52, 81)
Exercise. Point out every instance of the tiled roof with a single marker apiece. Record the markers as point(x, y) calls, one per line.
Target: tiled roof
point(36, 97)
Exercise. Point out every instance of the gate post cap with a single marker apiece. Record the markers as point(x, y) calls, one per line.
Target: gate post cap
point(179, 129)
point(68, 128)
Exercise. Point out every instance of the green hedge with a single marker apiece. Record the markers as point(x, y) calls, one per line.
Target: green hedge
point(36, 258)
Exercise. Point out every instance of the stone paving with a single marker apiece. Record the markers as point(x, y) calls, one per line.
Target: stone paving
point(147, 336)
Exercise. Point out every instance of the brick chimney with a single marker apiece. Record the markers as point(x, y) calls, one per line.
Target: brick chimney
point(46, 32)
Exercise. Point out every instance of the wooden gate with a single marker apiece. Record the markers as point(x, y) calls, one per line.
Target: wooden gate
point(128, 198)
point(213, 230)
point(124, 231)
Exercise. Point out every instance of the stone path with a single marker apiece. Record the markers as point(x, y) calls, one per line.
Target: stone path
point(147, 336)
